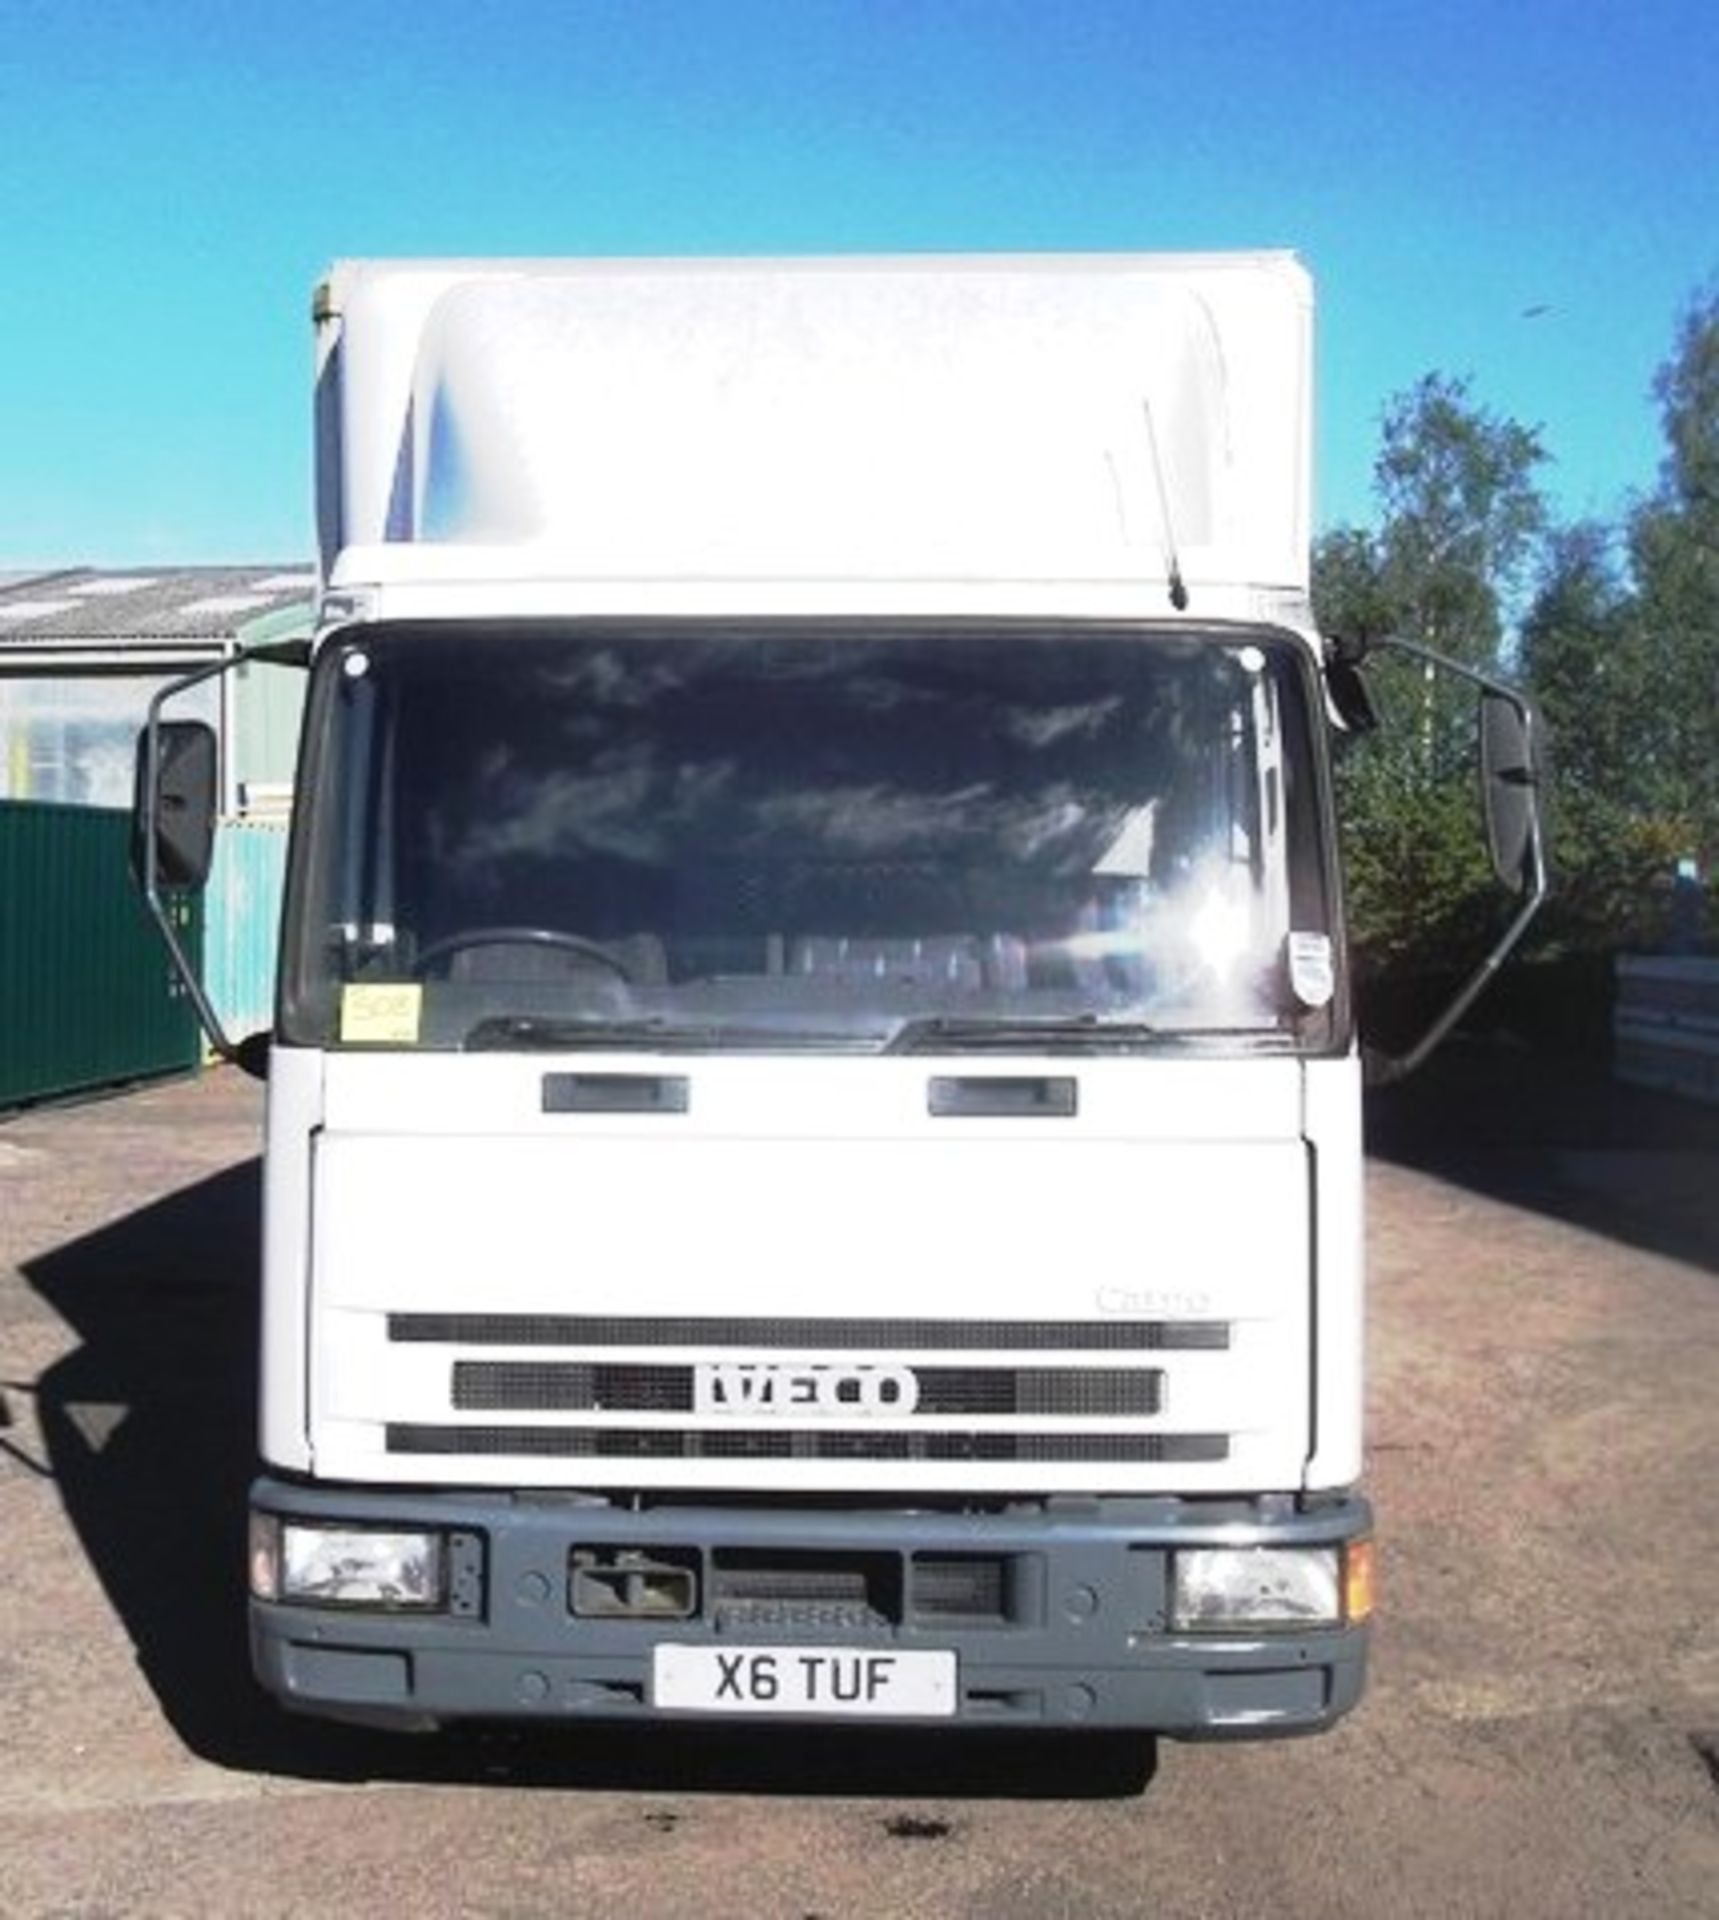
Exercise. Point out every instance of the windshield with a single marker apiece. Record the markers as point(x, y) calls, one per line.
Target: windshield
point(564, 834)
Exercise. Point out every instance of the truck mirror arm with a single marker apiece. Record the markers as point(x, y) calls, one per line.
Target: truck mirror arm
point(251, 1059)
point(1346, 687)
point(1381, 1069)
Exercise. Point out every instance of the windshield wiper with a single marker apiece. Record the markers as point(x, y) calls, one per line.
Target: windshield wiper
point(527, 1033)
point(1070, 1033)
point(932, 1033)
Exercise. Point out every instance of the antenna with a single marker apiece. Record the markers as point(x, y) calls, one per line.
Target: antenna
point(1172, 566)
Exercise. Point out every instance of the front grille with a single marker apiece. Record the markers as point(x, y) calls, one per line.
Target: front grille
point(553, 1386)
point(742, 1398)
point(959, 1586)
point(808, 1335)
point(533, 1386)
point(722, 1443)
point(784, 1590)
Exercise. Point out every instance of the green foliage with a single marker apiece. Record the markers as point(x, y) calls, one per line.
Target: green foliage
point(1349, 597)
point(1618, 639)
point(1620, 817)
point(1460, 516)
point(1614, 869)
point(1420, 892)
point(1687, 389)
point(1460, 512)
point(1626, 666)
point(1674, 551)
point(1582, 650)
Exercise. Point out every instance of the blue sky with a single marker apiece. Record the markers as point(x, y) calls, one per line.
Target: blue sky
point(173, 177)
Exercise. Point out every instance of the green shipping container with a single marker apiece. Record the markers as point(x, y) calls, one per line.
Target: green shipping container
point(87, 993)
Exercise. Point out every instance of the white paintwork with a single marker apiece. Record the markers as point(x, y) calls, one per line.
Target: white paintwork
point(409, 583)
point(1333, 1130)
point(895, 418)
point(912, 438)
point(810, 1187)
point(877, 1097)
point(293, 1114)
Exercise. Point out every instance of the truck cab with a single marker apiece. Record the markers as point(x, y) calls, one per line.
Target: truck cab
point(813, 1141)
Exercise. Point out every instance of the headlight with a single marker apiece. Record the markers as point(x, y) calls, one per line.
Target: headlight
point(1226, 1589)
point(337, 1566)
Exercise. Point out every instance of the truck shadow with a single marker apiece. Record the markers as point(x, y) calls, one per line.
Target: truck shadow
point(149, 1426)
point(1554, 1134)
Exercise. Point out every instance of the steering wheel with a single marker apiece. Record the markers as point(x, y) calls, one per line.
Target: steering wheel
point(452, 943)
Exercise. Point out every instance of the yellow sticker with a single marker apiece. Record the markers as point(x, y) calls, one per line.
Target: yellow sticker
point(380, 1015)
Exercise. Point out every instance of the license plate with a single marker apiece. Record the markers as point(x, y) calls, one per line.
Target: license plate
point(844, 1680)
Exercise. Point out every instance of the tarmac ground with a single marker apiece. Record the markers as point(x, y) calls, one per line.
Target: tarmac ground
point(1541, 1734)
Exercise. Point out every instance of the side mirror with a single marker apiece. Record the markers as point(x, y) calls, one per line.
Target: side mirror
point(175, 805)
point(1350, 696)
point(173, 825)
point(1510, 781)
point(1510, 767)
point(251, 1055)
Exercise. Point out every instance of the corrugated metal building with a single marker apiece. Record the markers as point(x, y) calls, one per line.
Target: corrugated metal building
point(82, 651)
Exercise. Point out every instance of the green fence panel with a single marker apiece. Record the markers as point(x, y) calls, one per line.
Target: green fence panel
point(87, 993)
point(242, 914)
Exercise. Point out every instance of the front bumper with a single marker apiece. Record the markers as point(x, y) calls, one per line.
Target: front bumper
point(1071, 1631)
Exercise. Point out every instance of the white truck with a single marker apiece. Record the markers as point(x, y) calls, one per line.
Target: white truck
point(813, 1148)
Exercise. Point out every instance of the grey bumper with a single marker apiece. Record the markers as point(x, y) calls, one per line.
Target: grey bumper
point(1072, 1629)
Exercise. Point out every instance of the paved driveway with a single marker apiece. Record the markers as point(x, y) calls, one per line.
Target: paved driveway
point(1540, 1738)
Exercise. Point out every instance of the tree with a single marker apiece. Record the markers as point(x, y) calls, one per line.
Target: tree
point(1459, 518)
point(1619, 639)
point(1687, 389)
point(1582, 652)
point(1674, 552)
point(1459, 521)
point(1625, 662)
point(1616, 826)
point(1349, 597)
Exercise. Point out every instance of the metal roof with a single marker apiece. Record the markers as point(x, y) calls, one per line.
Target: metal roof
point(137, 606)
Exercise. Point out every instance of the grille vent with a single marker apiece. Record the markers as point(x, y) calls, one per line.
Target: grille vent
point(485, 1386)
point(803, 1335)
point(722, 1443)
